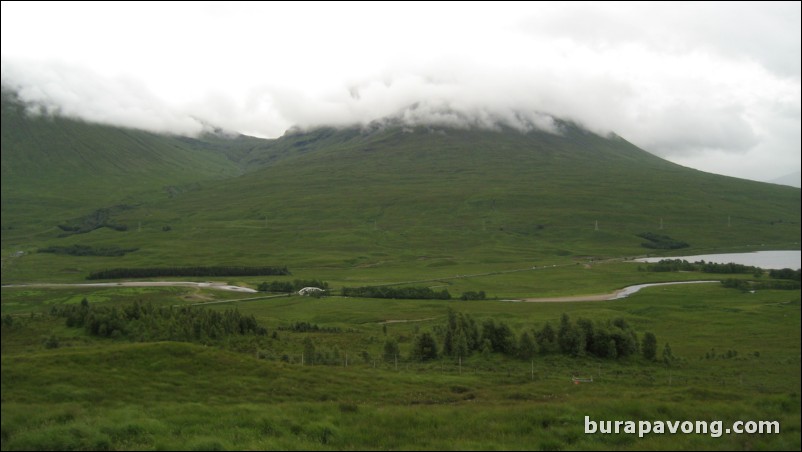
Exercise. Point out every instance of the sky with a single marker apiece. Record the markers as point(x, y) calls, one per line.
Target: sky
point(713, 86)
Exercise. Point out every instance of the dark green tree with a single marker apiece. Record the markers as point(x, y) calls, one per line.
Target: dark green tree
point(391, 350)
point(546, 339)
point(668, 356)
point(526, 346)
point(424, 348)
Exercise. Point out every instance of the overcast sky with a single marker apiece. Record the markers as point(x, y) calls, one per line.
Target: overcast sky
point(713, 86)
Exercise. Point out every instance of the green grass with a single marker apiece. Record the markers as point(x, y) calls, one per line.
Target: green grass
point(112, 394)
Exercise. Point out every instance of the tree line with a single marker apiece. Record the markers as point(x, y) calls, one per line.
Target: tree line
point(677, 265)
point(306, 327)
point(145, 322)
point(407, 293)
point(87, 250)
point(746, 286)
point(786, 273)
point(151, 272)
point(461, 336)
point(682, 265)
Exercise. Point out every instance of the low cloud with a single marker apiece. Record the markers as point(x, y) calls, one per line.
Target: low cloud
point(689, 82)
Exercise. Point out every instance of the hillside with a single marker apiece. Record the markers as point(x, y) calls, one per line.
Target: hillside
point(57, 167)
point(423, 199)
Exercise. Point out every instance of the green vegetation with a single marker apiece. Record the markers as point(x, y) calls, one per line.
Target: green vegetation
point(149, 323)
point(681, 265)
point(748, 286)
point(100, 218)
point(111, 393)
point(406, 293)
point(661, 242)
point(87, 250)
point(161, 272)
point(473, 295)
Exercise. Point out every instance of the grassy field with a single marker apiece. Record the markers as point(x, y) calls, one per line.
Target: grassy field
point(95, 393)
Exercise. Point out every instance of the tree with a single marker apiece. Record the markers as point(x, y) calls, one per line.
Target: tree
point(461, 345)
point(424, 348)
point(668, 356)
point(487, 349)
point(391, 350)
point(526, 346)
point(52, 342)
point(547, 339)
point(649, 346)
point(570, 338)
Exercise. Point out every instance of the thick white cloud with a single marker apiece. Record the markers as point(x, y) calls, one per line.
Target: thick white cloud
point(713, 86)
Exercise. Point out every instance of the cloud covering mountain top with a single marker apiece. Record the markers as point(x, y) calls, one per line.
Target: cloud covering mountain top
point(712, 86)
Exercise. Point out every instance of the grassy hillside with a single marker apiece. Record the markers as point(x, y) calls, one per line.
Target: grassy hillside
point(386, 199)
point(92, 393)
point(442, 201)
point(54, 168)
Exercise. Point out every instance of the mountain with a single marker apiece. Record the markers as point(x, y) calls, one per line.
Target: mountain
point(56, 166)
point(792, 179)
point(415, 199)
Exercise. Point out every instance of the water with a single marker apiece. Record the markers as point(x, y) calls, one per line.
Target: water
point(762, 259)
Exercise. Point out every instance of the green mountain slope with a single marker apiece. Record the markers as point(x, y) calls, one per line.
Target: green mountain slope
point(482, 195)
point(58, 167)
point(413, 201)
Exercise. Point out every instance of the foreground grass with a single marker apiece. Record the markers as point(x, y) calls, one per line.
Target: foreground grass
point(106, 394)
